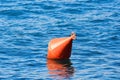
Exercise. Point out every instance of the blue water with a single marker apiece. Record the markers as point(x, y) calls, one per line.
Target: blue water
point(26, 27)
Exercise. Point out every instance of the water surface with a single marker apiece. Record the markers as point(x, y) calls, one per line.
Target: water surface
point(26, 26)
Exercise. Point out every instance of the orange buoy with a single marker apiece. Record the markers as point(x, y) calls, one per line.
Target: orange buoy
point(60, 48)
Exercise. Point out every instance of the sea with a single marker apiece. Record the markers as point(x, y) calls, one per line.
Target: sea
point(27, 26)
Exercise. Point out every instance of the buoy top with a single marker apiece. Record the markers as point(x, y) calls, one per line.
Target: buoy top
point(73, 35)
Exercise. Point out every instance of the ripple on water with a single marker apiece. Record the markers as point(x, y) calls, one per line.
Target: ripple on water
point(26, 27)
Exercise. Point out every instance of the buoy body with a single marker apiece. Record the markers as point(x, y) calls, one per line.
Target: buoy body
point(60, 48)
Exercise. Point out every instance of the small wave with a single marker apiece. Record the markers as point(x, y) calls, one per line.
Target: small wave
point(71, 11)
point(100, 1)
point(12, 12)
point(115, 63)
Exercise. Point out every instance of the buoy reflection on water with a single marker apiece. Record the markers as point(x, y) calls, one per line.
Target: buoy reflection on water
point(59, 69)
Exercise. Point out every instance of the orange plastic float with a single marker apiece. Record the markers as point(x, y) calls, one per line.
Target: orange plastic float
point(60, 48)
